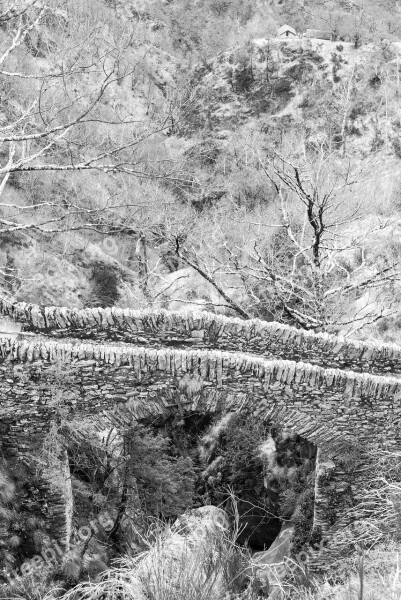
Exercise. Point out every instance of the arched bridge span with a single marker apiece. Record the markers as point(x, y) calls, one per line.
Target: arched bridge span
point(328, 406)
point(154, 363)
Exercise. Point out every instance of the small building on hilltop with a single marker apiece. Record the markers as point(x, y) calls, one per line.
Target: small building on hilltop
point(318, 34)
point(286, 32)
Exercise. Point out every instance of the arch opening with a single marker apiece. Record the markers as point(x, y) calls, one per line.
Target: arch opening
point(261, 473)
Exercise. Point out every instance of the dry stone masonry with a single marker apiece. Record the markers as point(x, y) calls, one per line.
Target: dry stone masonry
point(206, 331)
point(328, 406)
point(145, 364)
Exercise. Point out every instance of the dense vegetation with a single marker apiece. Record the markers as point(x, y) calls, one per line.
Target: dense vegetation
point(174, 154)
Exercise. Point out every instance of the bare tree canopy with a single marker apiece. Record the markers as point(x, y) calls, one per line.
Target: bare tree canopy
point(307, 260)
point(63, 76)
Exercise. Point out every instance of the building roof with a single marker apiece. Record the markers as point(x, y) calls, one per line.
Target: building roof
point(285, 28)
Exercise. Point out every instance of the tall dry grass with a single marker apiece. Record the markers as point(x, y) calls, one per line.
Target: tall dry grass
point(190, 562)
point(377, 577)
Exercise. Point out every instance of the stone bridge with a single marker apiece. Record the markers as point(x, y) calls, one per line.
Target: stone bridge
point(154, 364)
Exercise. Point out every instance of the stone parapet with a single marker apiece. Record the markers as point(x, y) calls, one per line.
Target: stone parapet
point(206, 331)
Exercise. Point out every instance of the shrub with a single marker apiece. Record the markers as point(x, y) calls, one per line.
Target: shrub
point(165, 482)
point(375, 82)
point(100, 463)
point(243, 76)
point(7, 490)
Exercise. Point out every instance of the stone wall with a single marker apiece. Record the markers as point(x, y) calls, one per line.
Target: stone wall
point(206, 331)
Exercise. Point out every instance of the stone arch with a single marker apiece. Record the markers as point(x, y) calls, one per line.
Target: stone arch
point(327, 406)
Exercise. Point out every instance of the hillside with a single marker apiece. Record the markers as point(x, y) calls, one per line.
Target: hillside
point(371, 17)
point(200, 140)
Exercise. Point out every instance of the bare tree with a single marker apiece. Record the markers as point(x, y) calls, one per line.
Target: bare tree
point(315, 269)
point(63, 77)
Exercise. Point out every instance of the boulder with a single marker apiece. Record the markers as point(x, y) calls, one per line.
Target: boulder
point(190, 555)
point(268, 568)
